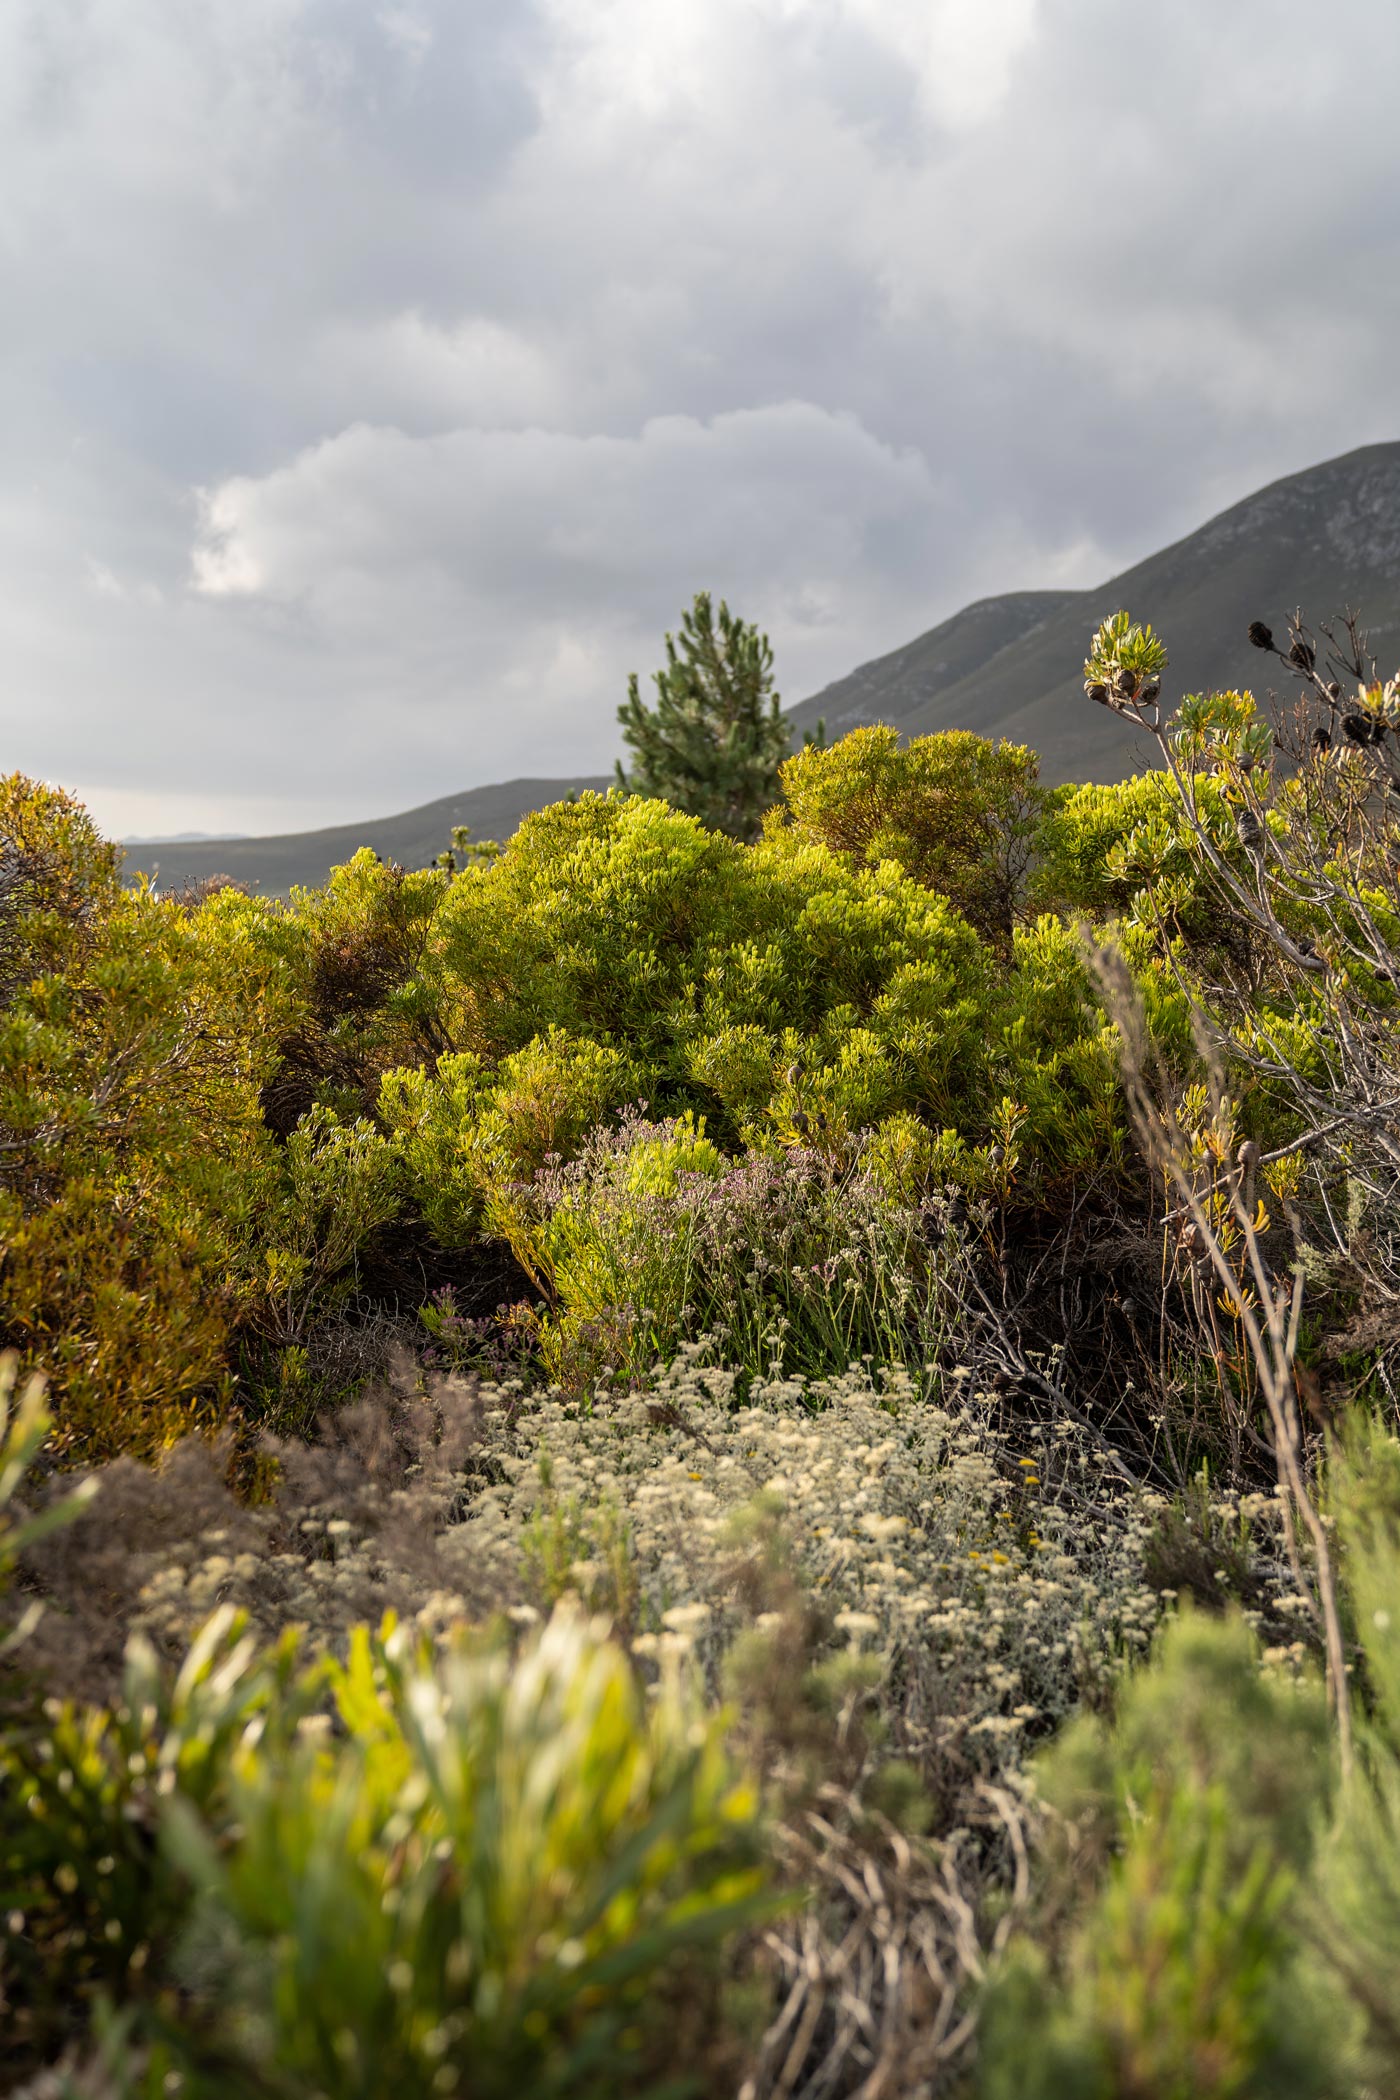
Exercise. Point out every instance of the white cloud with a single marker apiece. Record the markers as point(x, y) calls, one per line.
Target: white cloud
point(962, 51)
point(409, 369)
point(532, 570)
point(784, 498)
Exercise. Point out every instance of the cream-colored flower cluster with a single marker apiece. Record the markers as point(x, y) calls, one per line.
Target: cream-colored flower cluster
point(988, 1576)
point(996, 1577)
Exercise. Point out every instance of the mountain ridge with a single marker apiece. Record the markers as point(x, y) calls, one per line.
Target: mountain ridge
point(303, 859)
point(1325, 538)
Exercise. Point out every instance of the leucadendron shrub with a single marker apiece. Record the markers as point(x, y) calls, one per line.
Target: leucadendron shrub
point(418, 1870)
point(957, 812)
point(782, 990)
point(620, 922)
point(355, 1001)
point(129, 1062)
point(152, 1224)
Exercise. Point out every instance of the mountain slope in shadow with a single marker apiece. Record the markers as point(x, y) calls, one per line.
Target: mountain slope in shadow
point(1324, 539)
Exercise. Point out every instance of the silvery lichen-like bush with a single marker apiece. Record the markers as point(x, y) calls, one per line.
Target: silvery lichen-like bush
point(927, 1535)
point(989, 1577)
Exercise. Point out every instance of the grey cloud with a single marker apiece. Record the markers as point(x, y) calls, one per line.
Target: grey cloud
point(382, 376)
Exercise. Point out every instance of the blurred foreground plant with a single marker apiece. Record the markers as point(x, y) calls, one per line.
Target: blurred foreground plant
point(408, 1873)
point(1221, 1906)
point(1169, 1960)
point(24, 1424)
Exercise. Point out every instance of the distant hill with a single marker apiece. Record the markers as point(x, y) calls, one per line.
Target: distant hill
point(1006, 667)
point(183, 838)
point(273, 866)
point(1012, 667)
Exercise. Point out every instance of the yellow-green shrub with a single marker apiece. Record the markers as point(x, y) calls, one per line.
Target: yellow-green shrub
point(356, 1001)
point(955, 811)
point(490, 1873)
point(617, 953)
point(147, 1214)
point(130, 1055)
point(469, 1133)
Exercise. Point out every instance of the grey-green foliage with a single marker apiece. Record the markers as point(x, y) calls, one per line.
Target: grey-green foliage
point(1356, 1920)
point(714, 740)
point(1223, 1915)
point(1188, 1823)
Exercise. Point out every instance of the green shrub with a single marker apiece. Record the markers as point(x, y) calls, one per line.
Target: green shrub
point(622, 923)
point(151, 1222)
point(130, 1054)
point(468, 1133)
point(1355, 1921)
point(1190, 1821)
point(786, 992)
point(322, 1197)
point(1094, 844)
point(489, 1872)
point(955, 811)
point(356, 1000)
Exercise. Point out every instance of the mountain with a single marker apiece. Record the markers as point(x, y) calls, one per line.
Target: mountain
point(898, 684)
point(180, 838)
point(1325, 539)
point(1012, 667)
point(304, 858)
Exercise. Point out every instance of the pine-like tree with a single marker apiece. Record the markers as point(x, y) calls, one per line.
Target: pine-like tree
point(714, 741)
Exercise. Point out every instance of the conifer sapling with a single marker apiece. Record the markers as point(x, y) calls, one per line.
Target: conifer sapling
point(714, 740)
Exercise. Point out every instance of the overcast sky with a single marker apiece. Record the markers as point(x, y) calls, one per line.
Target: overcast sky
point(380, 378)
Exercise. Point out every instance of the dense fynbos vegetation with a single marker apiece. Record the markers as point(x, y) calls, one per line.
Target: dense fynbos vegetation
point(752, 1458)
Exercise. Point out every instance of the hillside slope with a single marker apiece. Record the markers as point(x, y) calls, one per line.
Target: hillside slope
point(1008, 666)
point(1322, 539)
point(275, 865)
point(958, 649)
